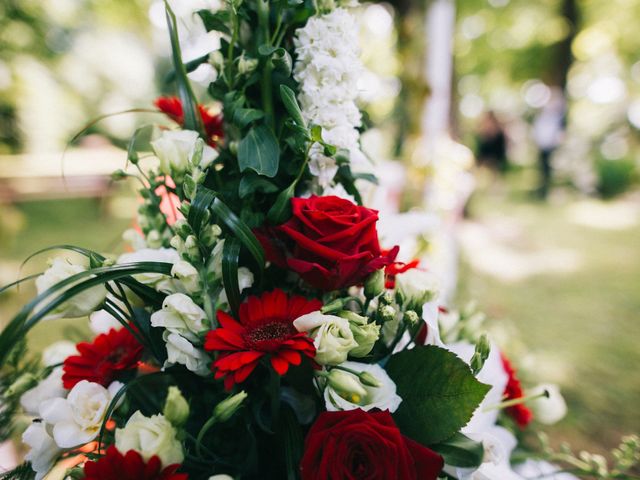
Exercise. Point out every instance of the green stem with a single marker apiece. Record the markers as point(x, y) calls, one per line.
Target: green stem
point(515, 401)
point(265, 82)
point(234, 39)
point(203, 431)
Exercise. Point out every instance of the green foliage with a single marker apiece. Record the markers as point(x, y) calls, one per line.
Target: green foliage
point(460, 451)
point(259, 151)
point(615, 176)
point(439, 393)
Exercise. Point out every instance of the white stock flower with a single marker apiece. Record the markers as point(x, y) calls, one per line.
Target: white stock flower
point(181, 351)
point(49, 388)
point(331, 336)
point(548, 410)
point(58, 352)
point(174, 149)
point(79, 305)
point(43, 449)
point(77, 419)
point(181, 315)
point(366, 397)
point(187, 275)
point(327, 69)
point(416, 287)
point(150, 436)
point(158, 281)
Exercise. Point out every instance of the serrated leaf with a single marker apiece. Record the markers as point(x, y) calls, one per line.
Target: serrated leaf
point(291, 104)
point(460, 451)
point(244, 116)
point(439, 393)
point(259, 151)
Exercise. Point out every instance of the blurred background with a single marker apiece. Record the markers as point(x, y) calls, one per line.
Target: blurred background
point(527, 148)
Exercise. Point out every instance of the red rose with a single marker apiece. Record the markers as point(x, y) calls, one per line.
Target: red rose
point(330, 242)
point(360, 445)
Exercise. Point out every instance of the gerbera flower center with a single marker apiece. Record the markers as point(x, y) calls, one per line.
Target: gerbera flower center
point(269, 335)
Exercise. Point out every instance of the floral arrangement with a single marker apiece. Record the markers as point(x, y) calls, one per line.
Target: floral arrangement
point(256, 328)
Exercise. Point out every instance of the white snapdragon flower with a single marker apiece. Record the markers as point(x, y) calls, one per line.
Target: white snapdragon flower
point(150, 436)
point(175, 148)
point(187, 275)
point(181, 315)
point(77, 419)
point(49, 388)
point(551, 409)
point(79, 305)
point(58, 352)
point(102, 321)
point(158, 281)
point(43, 449)
point(182, 351)
point(349, 393)
point(331, 336)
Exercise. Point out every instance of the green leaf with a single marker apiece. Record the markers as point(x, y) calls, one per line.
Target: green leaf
point(215, 21)
point(281, 209)
point(244, 116)
point(240, 230)
point(192, 118)
point(282, 61)
point(190, 66)
point(259, 151)
point(291, 104)
point(265, 50)
point(316, 133)
point(140, 142)
point(439, 393)
point(252, 183)
point(460, 451)
point(230, 259)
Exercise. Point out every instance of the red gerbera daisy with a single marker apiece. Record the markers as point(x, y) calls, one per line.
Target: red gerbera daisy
point(520, 413)
point(395, 268)
point(102, 360)
point(131, 466)
point(172, 107)
point(265, 328)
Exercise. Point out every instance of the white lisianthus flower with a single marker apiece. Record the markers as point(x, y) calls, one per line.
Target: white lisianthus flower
point(331, 336)
point(363, 396)
point(49, 388)
point(187, 275)
point(416, 287)
point(43, 449)
point(181, 315)
point(182, 351)
point(77, 419)
point(58, 352)
point(150, 436)
point(175, 148)
point(79, 305)
point(102, 321)
point(158, 281)
point(548, 410)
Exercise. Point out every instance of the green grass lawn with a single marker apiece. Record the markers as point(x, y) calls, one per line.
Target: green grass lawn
point(581, 320)
point(90, 223)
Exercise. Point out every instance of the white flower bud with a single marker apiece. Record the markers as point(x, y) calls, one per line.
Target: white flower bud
point(176, 408)
point(550, 408)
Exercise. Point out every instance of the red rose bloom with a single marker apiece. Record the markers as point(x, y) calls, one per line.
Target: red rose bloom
point(520, 413)
point(360, 445)
point(102, 360)
point(265, 328)
point(131, 466)
point(172, 107)
point(330, 242)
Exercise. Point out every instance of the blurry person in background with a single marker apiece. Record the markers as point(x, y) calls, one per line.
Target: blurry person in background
point(548, 133)
point(491, 143)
